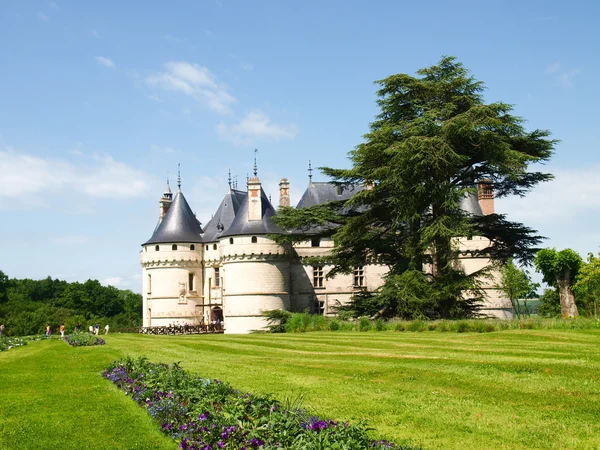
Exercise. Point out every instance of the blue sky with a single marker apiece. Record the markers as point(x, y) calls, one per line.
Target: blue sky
point(99, 100)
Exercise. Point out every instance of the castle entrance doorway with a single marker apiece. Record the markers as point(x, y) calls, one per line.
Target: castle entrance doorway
point(216, 314)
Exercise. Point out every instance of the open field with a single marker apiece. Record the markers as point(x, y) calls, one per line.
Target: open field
point(504, 390)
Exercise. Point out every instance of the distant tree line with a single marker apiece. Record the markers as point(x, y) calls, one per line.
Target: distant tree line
point(26, 306)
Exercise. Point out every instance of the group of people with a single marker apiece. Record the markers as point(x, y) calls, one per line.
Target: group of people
point(94, 329)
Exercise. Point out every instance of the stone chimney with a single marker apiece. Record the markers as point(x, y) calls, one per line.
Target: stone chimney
point(254, 199)
point(284, 192)
point(485, 194)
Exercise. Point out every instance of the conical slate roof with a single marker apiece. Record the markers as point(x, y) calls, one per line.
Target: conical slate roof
point(469, 203)
point(242, 226)
point(178, 225)
point(224, 216)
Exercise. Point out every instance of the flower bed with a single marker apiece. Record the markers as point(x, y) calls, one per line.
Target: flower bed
point(83, 340)
point(209, 414)
point(6, 343)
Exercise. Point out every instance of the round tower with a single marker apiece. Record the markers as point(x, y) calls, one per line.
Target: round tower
point(172, 266)
point(255, 269)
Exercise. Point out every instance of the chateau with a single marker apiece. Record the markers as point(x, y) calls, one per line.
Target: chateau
point(230, 270)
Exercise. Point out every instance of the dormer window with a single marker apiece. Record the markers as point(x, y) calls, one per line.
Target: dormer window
point(174, 247)
point(254, 239)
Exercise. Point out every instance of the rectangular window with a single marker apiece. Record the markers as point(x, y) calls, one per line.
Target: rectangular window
point(315, 242)
point(217, 277)
point(191, 281)
point(359, 276)
point(149, 284)
point(321, 307)
point(318, 276)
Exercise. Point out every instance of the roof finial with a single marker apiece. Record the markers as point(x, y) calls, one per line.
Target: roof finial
point(310, 171)
point(255, 169)
point(229, 179)
point(247, 179)
point(178, 176)
point(236, 182)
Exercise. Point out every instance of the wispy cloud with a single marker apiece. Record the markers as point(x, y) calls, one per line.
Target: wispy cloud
point(43, 17)
point(194, 81)
point(53, 5)
point(563, 75)
point(557, 208)
point(35, 179)
point(256, 126)
point(209, 33)
point(112, 281)
point(106, 62)
point(247, 66)
point(95, 33)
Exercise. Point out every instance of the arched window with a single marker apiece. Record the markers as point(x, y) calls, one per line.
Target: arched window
point(214, 246)
point(174, 247)
point(207, 247)
point(231, 241)
point(254, 240)
point(192, 247)
point(157, 248)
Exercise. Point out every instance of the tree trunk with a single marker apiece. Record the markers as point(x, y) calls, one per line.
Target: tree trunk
point(567, 299)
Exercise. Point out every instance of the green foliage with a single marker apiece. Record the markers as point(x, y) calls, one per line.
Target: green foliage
point(83, 339)
point(555, 265)
point(433, 141)
point(277, 320)
point(549, 303)
point(26, 306)
point(587, 286)
point(516, 285)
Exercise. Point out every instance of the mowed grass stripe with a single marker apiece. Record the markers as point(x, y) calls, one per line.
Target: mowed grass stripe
point(506, 390)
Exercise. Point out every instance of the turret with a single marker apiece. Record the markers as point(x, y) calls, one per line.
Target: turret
point(165, 202)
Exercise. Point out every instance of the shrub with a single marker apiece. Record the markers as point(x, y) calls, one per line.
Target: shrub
point(380, 325)
point(6, 343)
point(399, 326)
point(82, 339)
point(416, 325)
point(364, 324)
point(334, 325)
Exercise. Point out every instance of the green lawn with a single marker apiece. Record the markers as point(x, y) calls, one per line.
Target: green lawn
point(501, 390)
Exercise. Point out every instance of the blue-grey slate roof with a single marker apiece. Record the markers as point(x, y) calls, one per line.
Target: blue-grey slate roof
point(224, 216)
point(469, 203)
point(242, 226)
point(178, 225)
point(319, 193)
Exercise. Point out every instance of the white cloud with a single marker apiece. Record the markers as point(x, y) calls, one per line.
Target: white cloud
point(106, 62)
point(32, 178)
point(554, 67)
point(247, 66)
point(112, 281)
point(43, 17)
point(566, 210)
point(69, 240)
point(256, 126)
point(194, 81)
point(563, 75)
